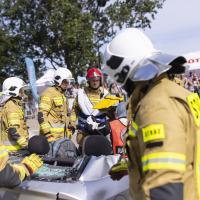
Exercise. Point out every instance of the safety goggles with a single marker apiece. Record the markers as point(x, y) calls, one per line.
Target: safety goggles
point(68, 81)
point(95, 79)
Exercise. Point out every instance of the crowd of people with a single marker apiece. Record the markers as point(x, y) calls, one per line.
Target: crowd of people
point(190, 81)
point(162, 114)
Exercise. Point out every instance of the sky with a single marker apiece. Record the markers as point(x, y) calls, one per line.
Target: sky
point(176, 28)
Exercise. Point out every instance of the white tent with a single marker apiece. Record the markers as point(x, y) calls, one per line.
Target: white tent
point(193, 60)
point(46, 80)
point(81, 80)
point(48, 77)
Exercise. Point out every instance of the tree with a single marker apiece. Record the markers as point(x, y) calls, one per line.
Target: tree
point(66, 32)
point(7, 55)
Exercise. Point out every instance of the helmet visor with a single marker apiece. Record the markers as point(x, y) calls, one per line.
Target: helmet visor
point(94, 79)
point(68, 80)
point(152, 66)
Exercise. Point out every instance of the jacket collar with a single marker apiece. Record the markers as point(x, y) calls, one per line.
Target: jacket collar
point(141, 89)
point(90, 90)
point(16, 101)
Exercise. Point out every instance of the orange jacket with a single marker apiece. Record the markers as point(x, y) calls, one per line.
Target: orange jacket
point(117, 130)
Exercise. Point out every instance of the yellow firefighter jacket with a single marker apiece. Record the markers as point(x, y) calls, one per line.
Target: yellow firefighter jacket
point(52, 114)
point(14, 134)
point(164, 142)
point(10, 175)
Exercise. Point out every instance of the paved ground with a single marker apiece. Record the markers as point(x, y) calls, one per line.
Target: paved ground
point(33, 127)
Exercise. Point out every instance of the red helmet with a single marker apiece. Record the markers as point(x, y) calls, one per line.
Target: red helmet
point(94, 72)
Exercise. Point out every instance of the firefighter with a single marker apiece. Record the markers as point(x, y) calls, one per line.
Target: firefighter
point(163, 142)
point(84, 102)
point(52, 115)
point(11, 175)
point(14, 134)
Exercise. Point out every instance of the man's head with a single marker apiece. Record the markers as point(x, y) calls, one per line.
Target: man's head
point(131, 57)
point(62, 78)
point(94, 77)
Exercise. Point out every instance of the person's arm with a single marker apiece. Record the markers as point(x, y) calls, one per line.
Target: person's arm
point(9, 176)
point(164, 159)
point(44, 109)
point(74, 113)
point(14, 126)
point(12, 175)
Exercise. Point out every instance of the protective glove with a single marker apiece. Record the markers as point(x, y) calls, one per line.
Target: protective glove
point(118, 170)
point(92, 123)
point(23, 171)
point(23, 142)
point(32, 163)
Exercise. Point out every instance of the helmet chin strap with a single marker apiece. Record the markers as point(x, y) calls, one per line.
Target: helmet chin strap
point(17, 97)
point(130, 86)
point(59, 88)
point(62, 89)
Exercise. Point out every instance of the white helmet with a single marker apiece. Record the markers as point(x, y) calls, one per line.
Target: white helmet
point(12, 86)
point(62, 74)
point(131, 55)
